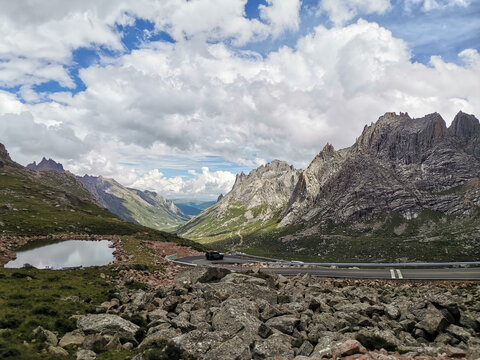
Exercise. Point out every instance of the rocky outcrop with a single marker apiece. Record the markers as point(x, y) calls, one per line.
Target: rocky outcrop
point(46, 165)
point(398, 164)
point(212, 314)
point(142, 207)
point(4, 156)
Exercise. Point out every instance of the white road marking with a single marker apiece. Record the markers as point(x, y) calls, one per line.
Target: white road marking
point(399, 273)
point(392, 272)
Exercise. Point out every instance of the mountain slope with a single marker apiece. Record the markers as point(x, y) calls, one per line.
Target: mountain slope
point(43, 203)
point(407, 188)
point(142, 207)
point(255, 202)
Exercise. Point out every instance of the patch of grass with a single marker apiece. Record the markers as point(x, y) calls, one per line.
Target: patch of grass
point(31, 298)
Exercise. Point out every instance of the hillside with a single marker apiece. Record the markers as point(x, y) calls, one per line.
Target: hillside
point(42, 203)
point(408, 188)
point(142, 207)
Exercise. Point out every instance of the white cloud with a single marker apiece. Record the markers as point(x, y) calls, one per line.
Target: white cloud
point(281, 15)
point(206, 184)
point(341, 11)
point(429, 5)
point(195, 98)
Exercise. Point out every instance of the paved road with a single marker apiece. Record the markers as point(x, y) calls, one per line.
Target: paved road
point(389, 273)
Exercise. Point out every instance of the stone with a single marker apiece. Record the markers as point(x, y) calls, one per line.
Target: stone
point(378, 339)
point(86, 355)
point(201, 274)
point(349, 347)
point(392, 312)
point(75, 337)
point(458, 332)
point(433, 323)
point(277, 345)
point(305, 349)
point(108, 324)
point(198, 342)
point(95, 342)
point(46, 335)
point(57, 351)
point(285, 324)
point(235, 348)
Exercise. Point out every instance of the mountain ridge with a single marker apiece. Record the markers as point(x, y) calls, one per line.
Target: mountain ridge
point(399, 177)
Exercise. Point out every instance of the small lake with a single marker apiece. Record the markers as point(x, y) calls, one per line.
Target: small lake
point(64, 254)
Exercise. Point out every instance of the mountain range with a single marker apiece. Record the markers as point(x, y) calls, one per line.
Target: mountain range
point(406, 185)
point(142, 207)
point(145, 208)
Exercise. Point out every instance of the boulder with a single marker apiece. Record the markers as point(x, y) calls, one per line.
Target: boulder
point(57, 351)
point(378, 339)
point(433, 323)
point(349, 347)
point(235, 349)
point(276, 346)
point(237, 315)
point(285, 324)
point(198, 342)
point(458, 332)
point(201, 275)
point(46, 335)
point(75, 337)
point(86, 355)
point(305, 349)
point(108, 324)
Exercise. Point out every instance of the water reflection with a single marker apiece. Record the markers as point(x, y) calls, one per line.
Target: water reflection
point(70, 253)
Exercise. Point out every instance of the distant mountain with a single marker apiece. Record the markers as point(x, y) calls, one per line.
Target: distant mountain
point(46, 165)
point(192, 207)
point(408, 188)
point(142, 207)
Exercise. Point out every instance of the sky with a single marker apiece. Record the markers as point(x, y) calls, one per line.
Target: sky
point(179, 96)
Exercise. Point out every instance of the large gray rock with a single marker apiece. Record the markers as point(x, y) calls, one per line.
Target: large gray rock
point(201, 274)
point(285, 324)
point(238, 317)
point(108, 324)
point(199, 342)
point(276, 346)
point(235, 349)
point(433, 322)
point(378, 339)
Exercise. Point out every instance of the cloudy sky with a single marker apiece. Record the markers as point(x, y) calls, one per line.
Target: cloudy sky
point(178, 96)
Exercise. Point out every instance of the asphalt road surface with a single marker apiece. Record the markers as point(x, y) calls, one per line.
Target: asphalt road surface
point(472, 273)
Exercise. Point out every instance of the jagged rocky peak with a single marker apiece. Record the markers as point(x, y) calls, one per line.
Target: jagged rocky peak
point(220, 197)
point(46, 165)
point(464, 126)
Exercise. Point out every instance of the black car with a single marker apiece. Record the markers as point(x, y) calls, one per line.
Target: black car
point(213, 255)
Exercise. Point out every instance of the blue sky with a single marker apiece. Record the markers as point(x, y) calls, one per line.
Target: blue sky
point(193, 115)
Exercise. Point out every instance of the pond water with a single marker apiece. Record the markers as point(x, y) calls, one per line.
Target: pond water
point(64, 254)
